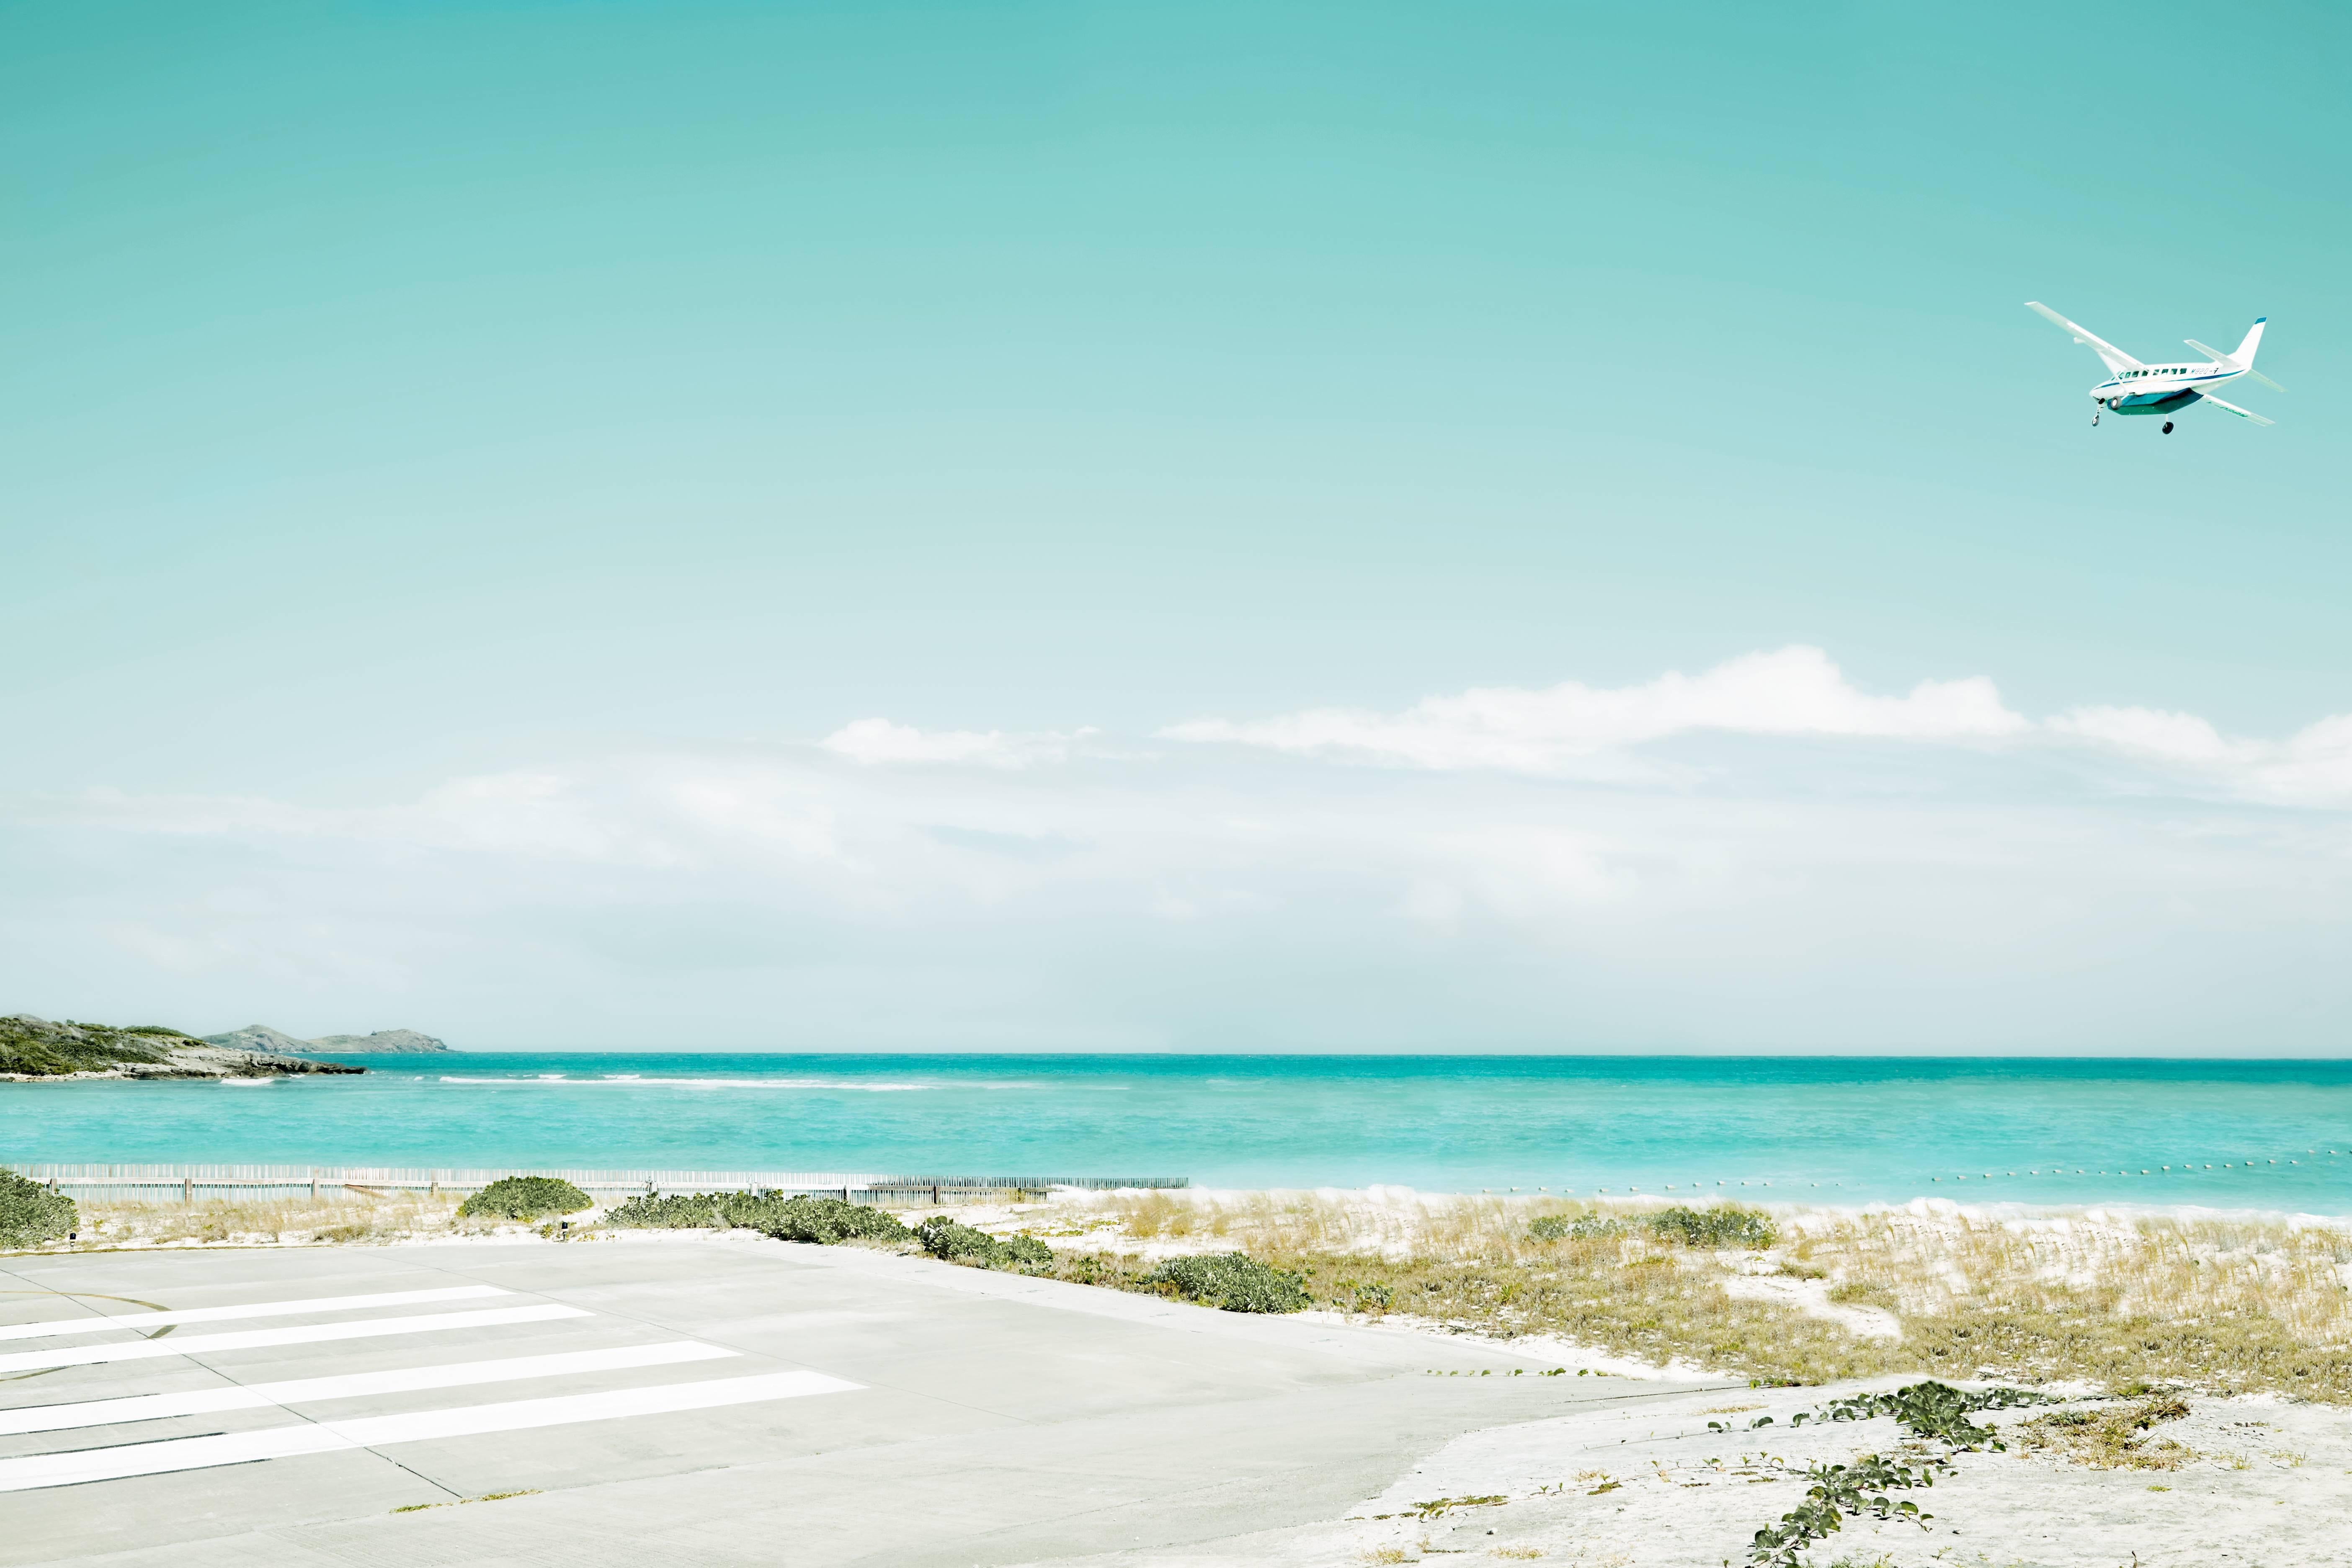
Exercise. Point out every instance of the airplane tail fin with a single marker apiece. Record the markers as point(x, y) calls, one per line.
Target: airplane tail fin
point(2244, 354)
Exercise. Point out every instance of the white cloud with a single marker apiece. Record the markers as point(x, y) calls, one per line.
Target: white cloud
point(2311, 767)
point(1576, 730)
point(1796, 691)
point(878, 740)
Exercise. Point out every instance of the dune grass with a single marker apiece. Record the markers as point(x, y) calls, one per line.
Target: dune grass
point(343, 1217)
point(2227, 1306)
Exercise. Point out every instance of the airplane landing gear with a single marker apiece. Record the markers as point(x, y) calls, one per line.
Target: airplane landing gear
point(2095, 419)
point(2167, 427)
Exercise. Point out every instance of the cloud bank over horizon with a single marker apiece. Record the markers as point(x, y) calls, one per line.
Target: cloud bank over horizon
point(1796, 691)
point(1758, 856)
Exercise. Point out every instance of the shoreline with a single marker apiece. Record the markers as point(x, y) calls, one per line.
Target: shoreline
point(217, 1172)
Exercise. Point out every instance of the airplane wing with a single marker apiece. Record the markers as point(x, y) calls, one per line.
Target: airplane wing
point(2221, 358)
point(2114, 358)
point(2233, 408)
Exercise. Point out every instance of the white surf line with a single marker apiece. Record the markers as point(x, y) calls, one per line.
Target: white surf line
point(50, 1326)
point(300, 1334)
point(374, 1431)
point(349, 1385)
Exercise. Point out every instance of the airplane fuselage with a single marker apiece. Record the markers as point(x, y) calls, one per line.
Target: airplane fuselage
point(2159, 389)
point(2165, 390)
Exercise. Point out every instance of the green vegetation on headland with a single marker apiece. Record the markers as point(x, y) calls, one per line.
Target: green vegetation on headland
point(45, 1049)
point(31, 1213)
point(41, 1047)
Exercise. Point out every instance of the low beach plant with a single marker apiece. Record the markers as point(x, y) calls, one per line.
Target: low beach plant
point(1929, 1412)
point(1723, 1225)
point(31, 1213)
point(950, 1241)
point(1236, 1282)
point(1580, 1227)
point(524, 1198)
point(1839, 1491)
point(824, 1221)
point(669, 1211)
point(1931, 1409)
point(800, 1217)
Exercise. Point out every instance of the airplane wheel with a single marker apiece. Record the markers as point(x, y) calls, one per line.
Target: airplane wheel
point(2167, 427)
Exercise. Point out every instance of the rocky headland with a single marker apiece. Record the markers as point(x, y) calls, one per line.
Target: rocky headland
point(262, 1037)
point(33, 1047)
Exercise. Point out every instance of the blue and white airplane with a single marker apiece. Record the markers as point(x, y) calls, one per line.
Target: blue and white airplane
point(2132, 387)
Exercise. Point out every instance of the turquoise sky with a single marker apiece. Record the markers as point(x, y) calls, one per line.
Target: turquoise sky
point(462, 464)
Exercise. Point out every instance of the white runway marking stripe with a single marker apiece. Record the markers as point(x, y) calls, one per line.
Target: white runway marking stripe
point(349, 1385)
point(373, 1431)
point(300, 1334)
point(145, 1320)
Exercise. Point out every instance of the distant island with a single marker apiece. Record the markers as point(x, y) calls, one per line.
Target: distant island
point(34, 1047)
point(262, 1037)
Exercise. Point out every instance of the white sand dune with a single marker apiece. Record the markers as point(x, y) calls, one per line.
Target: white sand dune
point(1653, 1488)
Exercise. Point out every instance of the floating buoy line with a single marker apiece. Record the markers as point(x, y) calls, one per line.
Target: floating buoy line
point(2185, 1168)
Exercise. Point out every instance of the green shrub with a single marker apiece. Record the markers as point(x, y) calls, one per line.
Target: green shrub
point(1554, 1226)
point(1233, 1282)
point(524, 1197)
point(804, 1219)
point(31, 1213)
point(952, 1242)
point(1721, 1227)
point(674, 1212)
point(801, 1218)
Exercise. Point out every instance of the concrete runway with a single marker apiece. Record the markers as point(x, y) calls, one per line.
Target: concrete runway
point(686, 1400)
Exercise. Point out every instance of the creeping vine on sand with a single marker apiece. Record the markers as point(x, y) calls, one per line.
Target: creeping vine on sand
point(1928, 1410)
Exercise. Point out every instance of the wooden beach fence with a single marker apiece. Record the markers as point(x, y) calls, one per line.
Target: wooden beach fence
point(187, 1184)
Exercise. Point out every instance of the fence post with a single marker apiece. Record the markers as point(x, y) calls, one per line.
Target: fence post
point(187, 1189)
point(314, 1183)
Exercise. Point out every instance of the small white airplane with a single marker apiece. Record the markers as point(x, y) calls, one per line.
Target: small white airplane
point(2132, 387)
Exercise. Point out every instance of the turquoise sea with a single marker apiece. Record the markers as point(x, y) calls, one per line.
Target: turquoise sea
point(2239, 1134)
